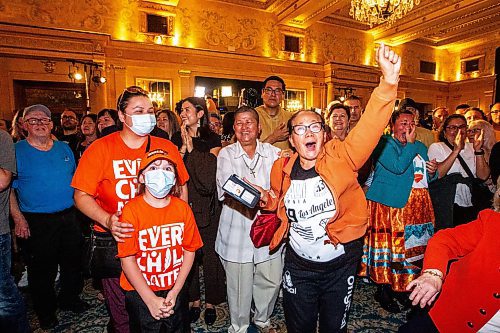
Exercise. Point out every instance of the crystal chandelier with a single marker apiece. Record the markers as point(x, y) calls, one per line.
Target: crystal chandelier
point(379, 11)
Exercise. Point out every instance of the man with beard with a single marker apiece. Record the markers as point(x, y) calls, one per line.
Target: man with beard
point(69, 124)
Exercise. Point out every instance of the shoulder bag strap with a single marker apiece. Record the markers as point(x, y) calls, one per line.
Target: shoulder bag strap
point(462, 162)
point(148, 146)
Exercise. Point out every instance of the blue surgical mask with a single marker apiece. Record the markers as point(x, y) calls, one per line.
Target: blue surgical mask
point(142, 124)
point(159, 182)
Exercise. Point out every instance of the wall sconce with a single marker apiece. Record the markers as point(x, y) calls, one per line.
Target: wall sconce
point(74, 72)
point(98, 78)
point(345, 93)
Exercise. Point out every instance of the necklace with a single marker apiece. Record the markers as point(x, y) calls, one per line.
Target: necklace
point(252, 170)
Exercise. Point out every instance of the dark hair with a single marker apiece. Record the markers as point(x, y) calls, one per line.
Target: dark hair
point(292, 118)
point(173, 121)
point(476, 110)
point(246, 109)
point(200, 105)
point(328, 112)
point(353, 98)
point(127, 94)
point(462, 106)
point(227, 126)
point(215, 115)
point(111, 112)
point(446, 122)
point(8, 123)
point(274, 78)
point(396, 114)
point(92, 116)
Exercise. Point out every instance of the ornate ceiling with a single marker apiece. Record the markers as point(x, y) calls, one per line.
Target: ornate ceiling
point(437, 23)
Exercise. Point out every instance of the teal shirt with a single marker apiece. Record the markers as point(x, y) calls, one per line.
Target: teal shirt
point(393, 173)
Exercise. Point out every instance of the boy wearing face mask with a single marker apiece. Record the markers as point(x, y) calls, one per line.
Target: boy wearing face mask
point(157, 259)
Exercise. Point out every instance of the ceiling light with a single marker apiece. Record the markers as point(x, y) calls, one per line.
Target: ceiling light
point(380, 11)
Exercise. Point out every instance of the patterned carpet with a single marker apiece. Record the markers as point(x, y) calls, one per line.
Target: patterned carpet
point(366, 315)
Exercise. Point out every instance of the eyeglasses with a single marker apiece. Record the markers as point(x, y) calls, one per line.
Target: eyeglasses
point(454, 128)
point(314, 128)
point(474, 130)
point(68, 118)
point(269, 91)
point(38, 121)
point(494, 111)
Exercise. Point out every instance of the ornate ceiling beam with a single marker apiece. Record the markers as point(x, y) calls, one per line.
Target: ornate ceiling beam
point(304, 13)
point(447, 18)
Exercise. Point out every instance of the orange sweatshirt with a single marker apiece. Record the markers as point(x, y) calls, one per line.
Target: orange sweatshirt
point(337, 164)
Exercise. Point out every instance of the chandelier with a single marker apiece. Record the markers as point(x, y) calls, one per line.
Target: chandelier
point(380, 11)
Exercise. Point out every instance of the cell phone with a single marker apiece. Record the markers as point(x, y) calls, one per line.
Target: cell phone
point(241, 191)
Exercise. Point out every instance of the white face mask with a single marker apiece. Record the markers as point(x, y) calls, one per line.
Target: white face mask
point(142, 124)
point(159, 182)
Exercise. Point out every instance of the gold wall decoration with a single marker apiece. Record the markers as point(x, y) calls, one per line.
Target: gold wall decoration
point(49, 66)
point(229, 31)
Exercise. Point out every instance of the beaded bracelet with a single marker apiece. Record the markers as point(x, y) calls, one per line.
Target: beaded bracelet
point(434, 274)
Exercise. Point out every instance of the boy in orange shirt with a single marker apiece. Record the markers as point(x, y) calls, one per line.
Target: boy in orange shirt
point(157, 259)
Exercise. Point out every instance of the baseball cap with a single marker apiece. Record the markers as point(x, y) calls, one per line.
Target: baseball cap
point(36, 107)
point(157, 154)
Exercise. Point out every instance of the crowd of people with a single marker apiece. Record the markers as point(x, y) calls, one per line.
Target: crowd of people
point(379, 192)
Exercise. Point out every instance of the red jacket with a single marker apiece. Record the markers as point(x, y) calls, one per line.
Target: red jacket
point(471, 289)
point(337, 164)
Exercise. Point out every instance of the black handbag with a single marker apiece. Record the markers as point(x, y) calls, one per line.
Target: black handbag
point(481, 196)
point(442, 192)
point(100, 253)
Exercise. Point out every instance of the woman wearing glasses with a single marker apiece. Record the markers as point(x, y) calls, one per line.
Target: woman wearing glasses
point(323, 209)
point(448, 152)
point(106, 179)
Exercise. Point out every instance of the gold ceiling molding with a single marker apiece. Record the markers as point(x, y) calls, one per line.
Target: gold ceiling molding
point(342, 21)
point(304, 22)
point(460, 22)
point(257, 4)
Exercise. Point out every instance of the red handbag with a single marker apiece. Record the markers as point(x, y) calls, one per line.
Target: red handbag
point(263, 229)
point(265, 225)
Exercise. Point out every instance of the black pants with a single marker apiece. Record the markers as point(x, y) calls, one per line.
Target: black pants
point(213, 272)
point(462, 215)
point(141, 321)
point(325, 289)
point(56, 239)
point(419, 324)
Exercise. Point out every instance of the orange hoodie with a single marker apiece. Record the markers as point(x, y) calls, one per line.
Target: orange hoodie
point(337, 164)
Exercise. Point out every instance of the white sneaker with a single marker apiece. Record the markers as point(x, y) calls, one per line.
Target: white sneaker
point(23, 283)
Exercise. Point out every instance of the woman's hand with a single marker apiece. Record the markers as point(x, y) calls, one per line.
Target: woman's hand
point(411, 134)
point(459, 142)
point(263, 193)
point(157, 307)
point(118, 229)
point(478, 141)
point(427, 287)
point(432, 167)
point(187, 140)
point(389, 62)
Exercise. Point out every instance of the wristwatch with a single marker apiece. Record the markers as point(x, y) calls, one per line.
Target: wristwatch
point(479, 153)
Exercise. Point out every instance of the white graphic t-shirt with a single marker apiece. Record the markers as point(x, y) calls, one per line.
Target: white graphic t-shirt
point(419, 173)
point(309, 206)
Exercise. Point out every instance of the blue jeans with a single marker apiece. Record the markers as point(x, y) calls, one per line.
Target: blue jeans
point(13, 316)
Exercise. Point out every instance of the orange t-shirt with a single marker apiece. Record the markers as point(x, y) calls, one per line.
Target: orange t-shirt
point(108, 170)
point(158, 241)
